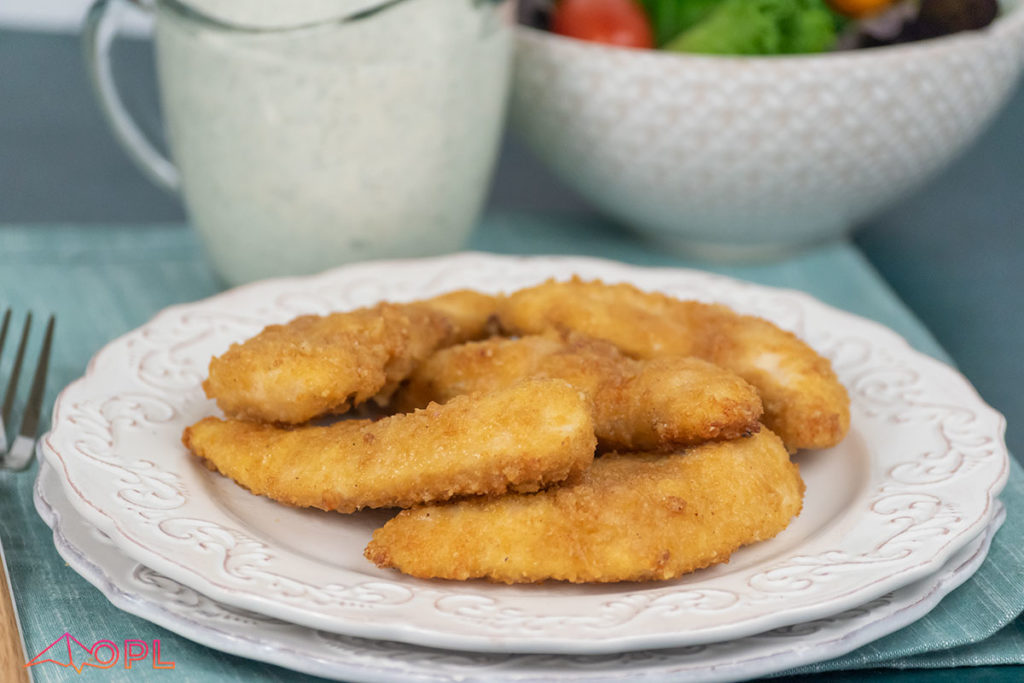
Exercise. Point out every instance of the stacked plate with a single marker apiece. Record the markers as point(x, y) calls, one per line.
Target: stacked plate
point(894, 518)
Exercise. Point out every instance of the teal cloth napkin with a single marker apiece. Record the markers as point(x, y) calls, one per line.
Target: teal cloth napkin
point(102, 281)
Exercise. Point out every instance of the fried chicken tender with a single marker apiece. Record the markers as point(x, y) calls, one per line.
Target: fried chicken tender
point(804, 403)
point(318, 365)
point(659, 404)
point(518, 439)
point(630, 517)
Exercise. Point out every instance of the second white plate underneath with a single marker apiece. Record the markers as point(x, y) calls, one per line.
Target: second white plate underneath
point(145, 593)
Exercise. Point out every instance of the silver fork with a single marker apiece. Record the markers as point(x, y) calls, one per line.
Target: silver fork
point(18, 454)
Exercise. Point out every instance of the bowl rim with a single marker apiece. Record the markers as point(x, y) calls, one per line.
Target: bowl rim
point(1010, 20)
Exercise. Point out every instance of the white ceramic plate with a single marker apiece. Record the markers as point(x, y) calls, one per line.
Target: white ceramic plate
point(912, 484)
point(145, 593)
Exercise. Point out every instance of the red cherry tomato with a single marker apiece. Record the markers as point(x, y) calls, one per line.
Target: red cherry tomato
point(615, 22)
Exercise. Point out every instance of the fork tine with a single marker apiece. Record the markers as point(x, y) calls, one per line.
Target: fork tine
point(12, 384)
point(3, 339)
point(3, 330)
point(24, 444)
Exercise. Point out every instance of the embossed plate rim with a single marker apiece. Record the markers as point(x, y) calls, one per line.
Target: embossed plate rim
point(176, 608)
point(930, 512)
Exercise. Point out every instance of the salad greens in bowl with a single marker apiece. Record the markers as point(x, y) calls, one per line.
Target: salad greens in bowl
point(757, 27)
point(751, 128)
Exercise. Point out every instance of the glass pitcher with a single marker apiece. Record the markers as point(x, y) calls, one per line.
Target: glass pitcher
point(312, 133)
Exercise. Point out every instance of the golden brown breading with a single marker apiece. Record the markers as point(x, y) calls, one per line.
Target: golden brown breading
point(317, 365)
point(519, 439)
point(661, 404)
point(629, 517)
point(804, 402)
point(470, 313)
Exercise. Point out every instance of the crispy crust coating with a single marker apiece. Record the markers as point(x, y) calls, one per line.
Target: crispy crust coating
point(630, 517)
point(518, 439)
point(318, 365)
point(804, 403)
point(658, 405)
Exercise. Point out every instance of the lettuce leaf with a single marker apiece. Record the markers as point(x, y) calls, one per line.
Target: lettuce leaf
point(669, 18)
point(813, 27)
point(760, 27)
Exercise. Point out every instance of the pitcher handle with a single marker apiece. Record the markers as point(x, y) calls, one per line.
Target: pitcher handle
point(98, 32)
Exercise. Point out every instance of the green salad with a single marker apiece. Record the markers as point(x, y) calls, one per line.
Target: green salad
point(756, 27)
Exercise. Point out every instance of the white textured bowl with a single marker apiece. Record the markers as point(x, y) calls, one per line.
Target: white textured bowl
point(741, 157)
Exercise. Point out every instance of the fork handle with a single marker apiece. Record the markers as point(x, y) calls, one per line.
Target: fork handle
point(12, 652)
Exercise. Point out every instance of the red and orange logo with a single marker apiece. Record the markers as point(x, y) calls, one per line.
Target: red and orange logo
point(68, 652)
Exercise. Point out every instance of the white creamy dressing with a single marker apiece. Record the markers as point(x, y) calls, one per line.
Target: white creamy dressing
point(306, 148)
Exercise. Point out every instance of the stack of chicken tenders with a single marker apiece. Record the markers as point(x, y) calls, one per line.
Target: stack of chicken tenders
point(574, 430)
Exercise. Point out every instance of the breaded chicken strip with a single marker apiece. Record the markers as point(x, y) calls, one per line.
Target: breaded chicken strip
point(804, 403)
point(629, 517)
point(318, 365)
point(656, 405)
point(517, 439)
